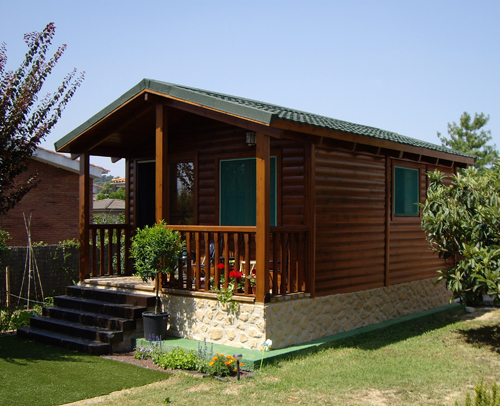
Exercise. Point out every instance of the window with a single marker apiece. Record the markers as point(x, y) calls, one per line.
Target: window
point(182, 193)
point(238, 197)
point(406, 191)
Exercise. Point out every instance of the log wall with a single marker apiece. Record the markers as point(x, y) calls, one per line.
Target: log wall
point(360, 244)
point(350, 221)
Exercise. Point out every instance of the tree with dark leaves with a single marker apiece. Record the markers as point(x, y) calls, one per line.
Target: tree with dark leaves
point(24, 119)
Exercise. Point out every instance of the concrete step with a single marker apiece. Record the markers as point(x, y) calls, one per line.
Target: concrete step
point(77, 330)
point(126, 311)
point(63, 340)
point(90, 319)
point(112, 296)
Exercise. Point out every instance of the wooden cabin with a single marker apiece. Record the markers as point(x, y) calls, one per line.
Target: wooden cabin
point(322, 210)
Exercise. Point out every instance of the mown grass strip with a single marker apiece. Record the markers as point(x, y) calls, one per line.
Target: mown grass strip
point(39, 375)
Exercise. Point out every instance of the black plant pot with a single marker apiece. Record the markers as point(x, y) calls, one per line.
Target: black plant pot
point(155, 325)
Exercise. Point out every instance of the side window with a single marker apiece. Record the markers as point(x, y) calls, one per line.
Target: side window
point(406, 190)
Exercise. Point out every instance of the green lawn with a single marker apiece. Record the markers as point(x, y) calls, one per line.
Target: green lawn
point(432, 361)
point(36, 374)
point(423, 362)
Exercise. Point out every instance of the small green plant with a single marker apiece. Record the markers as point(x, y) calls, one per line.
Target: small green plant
point(483, 397)
point(16, 317)
point(225, 294)
point(177, 359)
point(143, 353)
point(4, 248)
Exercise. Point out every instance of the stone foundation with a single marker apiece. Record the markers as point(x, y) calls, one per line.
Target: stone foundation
point(297, 321)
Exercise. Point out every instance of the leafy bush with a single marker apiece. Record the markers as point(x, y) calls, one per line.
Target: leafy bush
point(484, 397)
point(176, 359)
point(462, 223)
point(13, 318)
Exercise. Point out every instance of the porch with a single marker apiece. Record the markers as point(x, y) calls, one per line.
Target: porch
point(209, 256)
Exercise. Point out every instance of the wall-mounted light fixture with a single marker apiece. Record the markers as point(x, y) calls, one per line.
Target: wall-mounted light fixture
point(250, 140)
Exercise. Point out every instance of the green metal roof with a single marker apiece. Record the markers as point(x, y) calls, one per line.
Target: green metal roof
point(264, 113)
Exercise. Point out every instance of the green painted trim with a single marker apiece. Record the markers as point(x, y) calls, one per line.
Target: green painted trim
point(252, 358)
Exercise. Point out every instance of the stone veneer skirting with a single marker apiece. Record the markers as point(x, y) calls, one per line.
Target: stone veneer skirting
point(296, 321)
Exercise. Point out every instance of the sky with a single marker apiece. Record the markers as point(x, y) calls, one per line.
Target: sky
point(408, 66)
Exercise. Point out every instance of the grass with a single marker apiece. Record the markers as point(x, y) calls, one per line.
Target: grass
point(36, 374)
point(428, 361)
point(425, 362)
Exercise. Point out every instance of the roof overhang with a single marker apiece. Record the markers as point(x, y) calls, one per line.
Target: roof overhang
point(117, 130)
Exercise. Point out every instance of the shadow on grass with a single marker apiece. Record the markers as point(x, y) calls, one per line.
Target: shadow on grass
point(23, 352)
point(485, 336)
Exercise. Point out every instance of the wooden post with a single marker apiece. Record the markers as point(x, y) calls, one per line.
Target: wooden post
point(84, 216)
point(7, 286)
point(263, 171)
point(388, 197)
point(161, 194)
point(161, 171)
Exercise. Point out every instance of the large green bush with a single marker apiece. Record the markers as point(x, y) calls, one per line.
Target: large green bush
point(461, 220)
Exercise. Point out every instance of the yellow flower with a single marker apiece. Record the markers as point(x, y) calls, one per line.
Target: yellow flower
point(215, 358)
point(210, 364)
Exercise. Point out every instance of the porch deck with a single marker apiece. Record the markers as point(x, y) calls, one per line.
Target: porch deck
point(136, 285)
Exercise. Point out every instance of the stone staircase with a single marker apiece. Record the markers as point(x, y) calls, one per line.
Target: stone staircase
point(92, 320)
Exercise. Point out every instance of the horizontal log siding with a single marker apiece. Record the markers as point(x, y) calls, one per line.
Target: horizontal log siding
point(410, 256)
point(350, 218)
point(230, 144)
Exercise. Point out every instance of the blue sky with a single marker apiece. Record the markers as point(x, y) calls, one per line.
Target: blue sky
point(400, 65)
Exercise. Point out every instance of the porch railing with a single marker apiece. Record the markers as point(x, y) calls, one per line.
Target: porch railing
point(109, 246)
point(212, 252)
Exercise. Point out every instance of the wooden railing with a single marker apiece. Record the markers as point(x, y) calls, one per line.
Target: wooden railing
point(212, 252)
point(109, 246)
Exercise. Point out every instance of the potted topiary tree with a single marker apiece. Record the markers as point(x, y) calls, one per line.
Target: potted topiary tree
point(156, 249)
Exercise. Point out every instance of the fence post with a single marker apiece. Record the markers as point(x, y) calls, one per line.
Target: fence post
point(7, 285)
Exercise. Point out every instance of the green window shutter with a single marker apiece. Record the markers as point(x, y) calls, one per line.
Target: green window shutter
point(238, 198)
point(406, 191)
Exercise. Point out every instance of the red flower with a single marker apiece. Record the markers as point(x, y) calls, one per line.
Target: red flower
point(236, 274)
point(220, 266)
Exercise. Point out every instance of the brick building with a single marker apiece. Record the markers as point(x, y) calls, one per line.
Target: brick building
point(53, 204)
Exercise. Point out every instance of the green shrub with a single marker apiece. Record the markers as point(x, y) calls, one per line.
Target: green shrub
point(484, 397)
point(461, 220)
point(13, 318)
point(176, 359)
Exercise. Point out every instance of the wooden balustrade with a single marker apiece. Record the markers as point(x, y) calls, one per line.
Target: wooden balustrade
point(212, 252)
point(109, 249)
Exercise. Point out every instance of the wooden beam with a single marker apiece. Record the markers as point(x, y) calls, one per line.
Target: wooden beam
point(315, 131)
point(227, 118)
point(263, 171)
point(161, 194)
point(84, 216)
